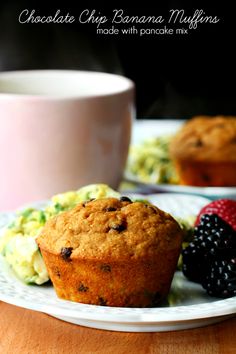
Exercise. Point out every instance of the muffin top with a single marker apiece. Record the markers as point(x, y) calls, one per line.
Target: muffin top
point(205, 138)
point(110, 229)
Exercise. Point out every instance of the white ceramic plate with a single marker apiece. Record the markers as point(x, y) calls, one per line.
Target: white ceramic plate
point(190, 306)
point(144, 129)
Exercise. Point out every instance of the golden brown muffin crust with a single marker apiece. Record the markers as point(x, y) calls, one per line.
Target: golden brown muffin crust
point(205, 138)
point(111, 229)
point(112, 252)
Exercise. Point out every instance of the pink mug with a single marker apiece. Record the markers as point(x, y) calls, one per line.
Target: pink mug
point(60, 130)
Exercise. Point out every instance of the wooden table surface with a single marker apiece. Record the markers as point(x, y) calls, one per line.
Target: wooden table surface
point(28, 332)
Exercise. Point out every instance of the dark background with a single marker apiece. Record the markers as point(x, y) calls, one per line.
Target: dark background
point(176, 76)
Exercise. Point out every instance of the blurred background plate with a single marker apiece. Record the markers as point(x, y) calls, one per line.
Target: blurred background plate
point(145, 129)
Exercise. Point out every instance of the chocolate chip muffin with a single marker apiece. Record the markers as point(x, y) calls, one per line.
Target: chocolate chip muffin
point(112, 252)
point(204, 151)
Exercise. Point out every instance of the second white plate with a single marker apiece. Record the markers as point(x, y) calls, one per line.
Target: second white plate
point(144, 129)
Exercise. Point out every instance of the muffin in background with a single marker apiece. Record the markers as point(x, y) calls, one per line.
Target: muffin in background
point(204, 151)
point(112, 252)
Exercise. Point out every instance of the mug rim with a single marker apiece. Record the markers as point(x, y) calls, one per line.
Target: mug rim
point(128, 84)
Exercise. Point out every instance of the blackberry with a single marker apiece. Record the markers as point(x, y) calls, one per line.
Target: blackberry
point(210, 258)
point(220, 280)
point(215, 236)
point(195, 262)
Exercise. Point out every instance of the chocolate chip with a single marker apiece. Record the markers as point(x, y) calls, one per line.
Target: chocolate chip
point(152, 208)
point(198, 143)
point(102, 302)
point(57, 273)
point(156, 297)
point(82, 288)
point(206, 178)
point(105, 268)
point(118, 227)
point(66, 253)
point(125, 199)
point(110, 209)
point(233, 140)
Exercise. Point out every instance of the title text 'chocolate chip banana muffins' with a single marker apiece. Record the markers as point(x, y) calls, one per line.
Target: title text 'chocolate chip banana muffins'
point(112, 252)
point(204, 151)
